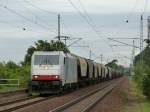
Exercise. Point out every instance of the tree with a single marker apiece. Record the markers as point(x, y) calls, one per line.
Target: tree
point(113, 64)
point(146, 86)
point(146, 59)
point(41, 45)
point(142, 71)
point(11, 65)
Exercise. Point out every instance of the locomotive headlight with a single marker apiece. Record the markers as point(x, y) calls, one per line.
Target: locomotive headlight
point(56, 77)
point(35, 76)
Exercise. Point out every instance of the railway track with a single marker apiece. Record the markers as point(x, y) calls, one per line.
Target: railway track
point(86, 102)
point(16, 100)
point(77, 105)
point(10, 93)
point(13, 96)
point(20, 103)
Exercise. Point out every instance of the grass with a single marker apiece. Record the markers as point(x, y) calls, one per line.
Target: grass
point(23, 84)
point(145, 103)
point(8, 88)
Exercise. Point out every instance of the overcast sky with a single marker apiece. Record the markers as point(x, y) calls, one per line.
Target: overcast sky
point(93, 20)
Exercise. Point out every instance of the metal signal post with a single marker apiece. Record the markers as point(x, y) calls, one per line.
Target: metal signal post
point(59, 27)
point(59, 37)
point(148, 35)
point(101, 58)
point(141, 39)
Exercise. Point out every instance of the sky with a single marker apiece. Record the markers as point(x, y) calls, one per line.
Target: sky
point(92, 20)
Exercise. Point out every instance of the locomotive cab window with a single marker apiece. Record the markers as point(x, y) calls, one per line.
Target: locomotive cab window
point(46, 60)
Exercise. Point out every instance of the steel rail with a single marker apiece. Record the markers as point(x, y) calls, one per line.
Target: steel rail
point(77, 100)
point(9, 93)
point(22, 104)
point(17, 100)
point(88, 108)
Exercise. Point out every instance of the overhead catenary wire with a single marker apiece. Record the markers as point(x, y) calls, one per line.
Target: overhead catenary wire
point(51, 13)
point(127, 17)
point(22, 27)
point(18, 27)
point(88, 17)
point(133, 9)
point(25, 18)
point(123, 43)
point(43, 10)
point(84, 17)
point(89, 23)
point(36, 16)
point(10, 24)
point(131, 14)
point(37, 7)
point(85, 11)
point(64, 25)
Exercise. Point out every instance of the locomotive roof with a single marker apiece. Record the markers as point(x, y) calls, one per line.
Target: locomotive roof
point(66, 54)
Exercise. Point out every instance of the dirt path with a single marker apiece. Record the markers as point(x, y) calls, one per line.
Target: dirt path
point(122, 99)
point(132, 101)
point(114, 102)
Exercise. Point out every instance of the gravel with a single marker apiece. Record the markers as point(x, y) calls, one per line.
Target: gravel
point(114, 101)
point(50, 104)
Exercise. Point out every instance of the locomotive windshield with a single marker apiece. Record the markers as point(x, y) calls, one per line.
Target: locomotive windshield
point(46, 60)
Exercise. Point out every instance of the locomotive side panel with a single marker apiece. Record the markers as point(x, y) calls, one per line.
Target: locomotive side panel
point(70, 74)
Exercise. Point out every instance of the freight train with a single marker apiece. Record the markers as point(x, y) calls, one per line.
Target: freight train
point(56, 71)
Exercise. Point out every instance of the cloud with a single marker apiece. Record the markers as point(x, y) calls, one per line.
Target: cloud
point(107, 17)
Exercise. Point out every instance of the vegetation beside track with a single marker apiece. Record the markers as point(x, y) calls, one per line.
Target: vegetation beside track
point(11, 70)
point(136, 101)
point(142, 72)
point(141, 81)
point(113, 64)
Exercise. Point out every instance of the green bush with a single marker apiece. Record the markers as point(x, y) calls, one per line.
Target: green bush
point(146, 86)
point(139, 73)
point(11, 70)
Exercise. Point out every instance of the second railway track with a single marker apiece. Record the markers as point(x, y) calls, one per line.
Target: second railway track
point(86, 102)
point(20, 103)
point(10, 93)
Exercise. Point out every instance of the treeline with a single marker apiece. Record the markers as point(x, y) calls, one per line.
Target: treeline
point(142, 71)
point(41, 45)
point(113, 64)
